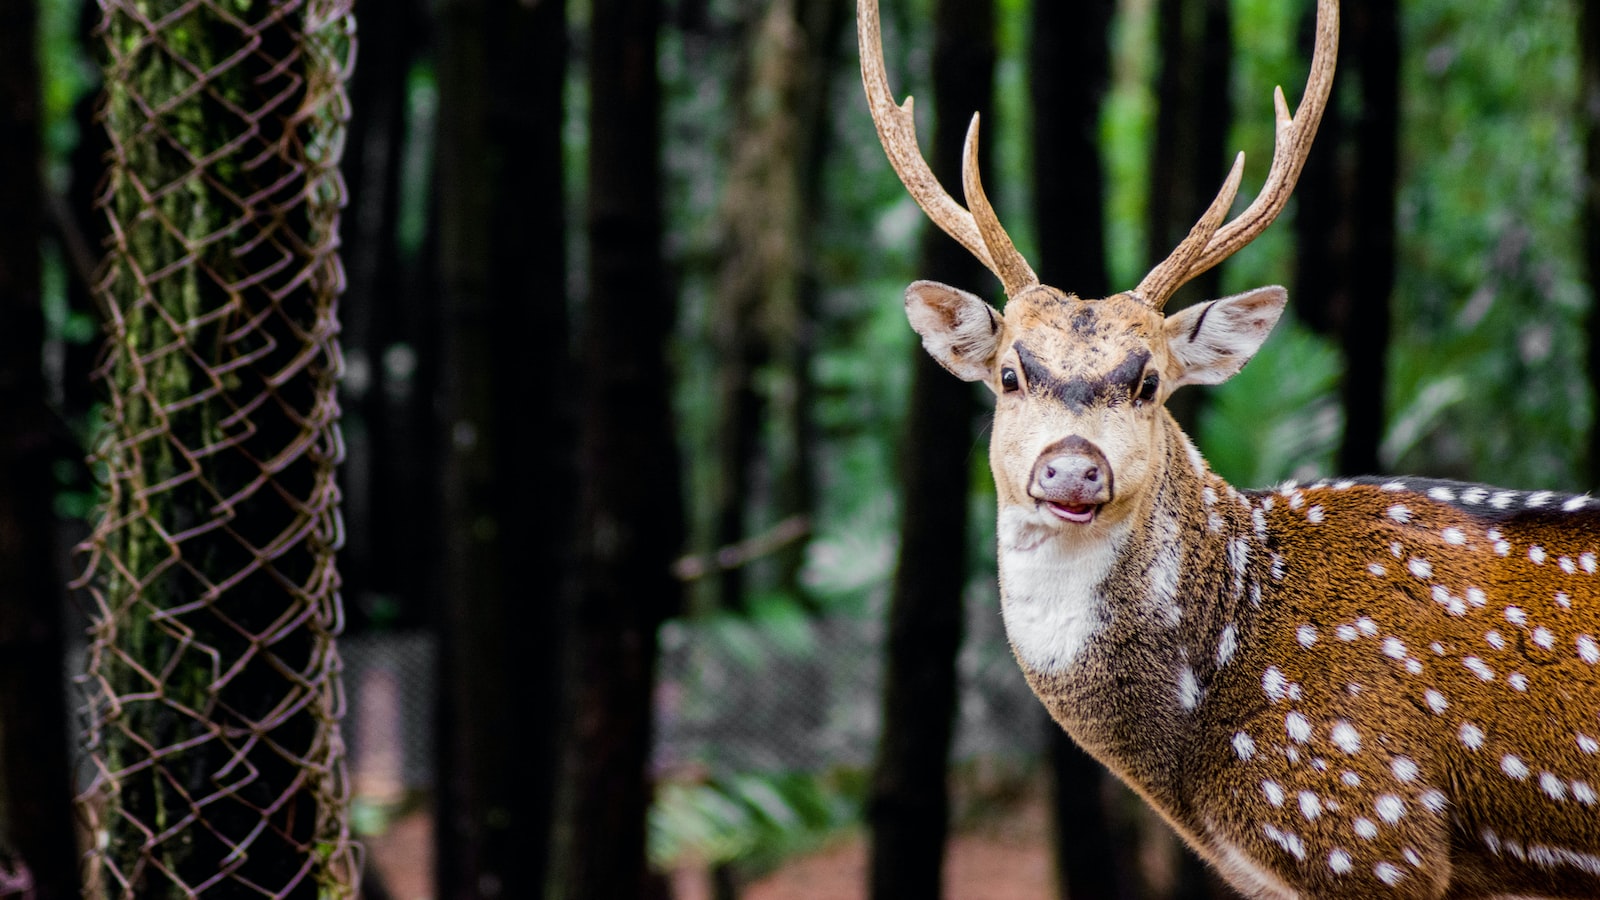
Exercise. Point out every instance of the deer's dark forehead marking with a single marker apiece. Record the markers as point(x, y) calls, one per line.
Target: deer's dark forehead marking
point(1079, 393)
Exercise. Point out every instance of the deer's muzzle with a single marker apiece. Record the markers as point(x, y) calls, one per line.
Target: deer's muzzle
point(1072, 480)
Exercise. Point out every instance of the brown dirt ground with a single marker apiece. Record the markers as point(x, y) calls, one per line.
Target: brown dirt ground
point(1003, 856)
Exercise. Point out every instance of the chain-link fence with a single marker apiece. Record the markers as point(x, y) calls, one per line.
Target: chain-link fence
point(213, 678)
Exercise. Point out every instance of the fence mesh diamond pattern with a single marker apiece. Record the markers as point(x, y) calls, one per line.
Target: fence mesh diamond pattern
point(213, 679)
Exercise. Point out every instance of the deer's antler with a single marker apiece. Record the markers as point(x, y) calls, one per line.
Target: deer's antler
point(1207, 244)
point(978, 230)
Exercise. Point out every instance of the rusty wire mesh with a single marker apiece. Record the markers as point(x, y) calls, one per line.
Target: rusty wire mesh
point(213, 679)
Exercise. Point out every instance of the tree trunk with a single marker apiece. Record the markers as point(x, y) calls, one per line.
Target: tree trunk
point(908, 808)
point(37, 841)
point(213, 673)
point(631, 522)
point(507, 501)
point(1364, 337)
point(1190, 158)
point(1345, 228)
point(1589, 116)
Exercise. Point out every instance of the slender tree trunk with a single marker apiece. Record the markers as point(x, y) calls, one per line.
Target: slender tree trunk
point(1365, 332)
point(1589, 115)
point(1189, 158)
point(631, 522)
point(908, 809)
point(1345, 224)
point(508, 497)
point(36, 829)
point(215, 693)
point(371, 560)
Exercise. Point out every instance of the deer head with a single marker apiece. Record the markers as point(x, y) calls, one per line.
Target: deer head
point(1080, 384)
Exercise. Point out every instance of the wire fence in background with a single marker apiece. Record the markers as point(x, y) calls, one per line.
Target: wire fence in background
point(213, 679)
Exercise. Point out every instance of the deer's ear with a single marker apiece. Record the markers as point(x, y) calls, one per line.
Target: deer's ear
point(1211, 342)
point(958, 329)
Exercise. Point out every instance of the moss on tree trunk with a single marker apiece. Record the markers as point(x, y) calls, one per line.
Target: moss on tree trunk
point(215, 675)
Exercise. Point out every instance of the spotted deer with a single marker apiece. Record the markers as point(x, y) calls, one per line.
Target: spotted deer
point(1360, 687)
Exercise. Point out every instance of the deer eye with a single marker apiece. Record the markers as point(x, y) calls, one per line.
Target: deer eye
point(1147, 389)
point(1008, 379)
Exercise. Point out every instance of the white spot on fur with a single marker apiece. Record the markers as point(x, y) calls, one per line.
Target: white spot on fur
point(1414, 666)
point(1390, 807)
point(1227, 645)
point(1476, 596)
point(1306, 635)
point(1347, 633)
point(1536, 553)
point(1404, 769)
point(1394, 486)
point(1273, 791)
point(1513, 766)
point(1543, 637)
point(1239, 558)
point(1589, 562)
point(1518, 681)
point(1420, 567)
point(1315, 515)
point(1567, 565)
point(1502, 499)
point(1563, 600)
point(1588, 650)
point(1298, 727)
point(1188, 689)
point(1377, 570)
point(1310, 806)
point(1574, 504)
point(1365, 828)
point(1388, 873)
point(1350, 778)
point(1479, 668)
point(1502, 548)
point(1473, 496)
point(1275, 684)
point(1396, 549)
point(1471, 736)
point(1339, 861)
point(1454, 535)
point(1437, 648)
point(1588, 744)
point(1494, 640)
point(1583, 793)
point(1435, 701)
point(1367, 626)
point(1288, 840)
point(1394, 648)
point(1553, 787)
point(1244, 746)
point(1516, 615)
point(1433, 800)
point(1443, 495)
point(1345, 737)
point(1538, 499)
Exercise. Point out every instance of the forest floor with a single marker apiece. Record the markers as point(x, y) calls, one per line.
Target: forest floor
point(1001, 854)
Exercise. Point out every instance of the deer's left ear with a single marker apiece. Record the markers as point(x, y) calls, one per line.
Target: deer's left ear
point(1211, 342)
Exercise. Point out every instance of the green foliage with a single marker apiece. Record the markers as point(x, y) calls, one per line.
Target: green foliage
point(1489, 311)
point(748, 819)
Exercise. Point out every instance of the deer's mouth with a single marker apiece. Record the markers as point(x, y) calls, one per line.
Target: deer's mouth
point(1076, 513)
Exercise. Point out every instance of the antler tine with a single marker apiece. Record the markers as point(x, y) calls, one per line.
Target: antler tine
point(897, 132)
point(1291, 146)
point(1014, 271)
point(1164, 280)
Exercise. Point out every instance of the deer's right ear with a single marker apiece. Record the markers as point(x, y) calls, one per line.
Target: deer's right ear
point(958, 329)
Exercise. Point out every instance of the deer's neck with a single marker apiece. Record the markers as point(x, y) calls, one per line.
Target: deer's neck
point(1120, 635)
